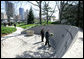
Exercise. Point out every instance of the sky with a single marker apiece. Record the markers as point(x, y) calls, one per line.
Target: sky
point(26, 5)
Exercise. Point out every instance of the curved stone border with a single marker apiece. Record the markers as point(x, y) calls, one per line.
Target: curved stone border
point(68, 42)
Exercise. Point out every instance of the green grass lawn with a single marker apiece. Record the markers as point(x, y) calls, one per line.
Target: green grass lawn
point(26, 26)
point(21, 24)
point(49, 22)
point(7, 30)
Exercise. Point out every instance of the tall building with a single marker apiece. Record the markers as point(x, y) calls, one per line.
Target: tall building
point(17, 17)
point(9, 7)
point(21, 13)
point(25, 15)
point(3, 16)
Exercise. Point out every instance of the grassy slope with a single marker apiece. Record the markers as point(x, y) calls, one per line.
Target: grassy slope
point(25, 26)
point(7, 30)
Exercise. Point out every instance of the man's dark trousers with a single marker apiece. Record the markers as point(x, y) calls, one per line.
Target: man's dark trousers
point(42, 37)
point(47, 39)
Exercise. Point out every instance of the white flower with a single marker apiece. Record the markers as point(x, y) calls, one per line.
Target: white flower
point(51, 34)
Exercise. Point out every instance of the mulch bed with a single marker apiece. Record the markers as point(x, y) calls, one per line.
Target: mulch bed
point(3, 35)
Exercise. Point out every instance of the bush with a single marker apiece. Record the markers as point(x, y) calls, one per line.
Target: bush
point(49, 22)
point(4, 24)
point(7, 30)
point(45, 22)
point(57, 22)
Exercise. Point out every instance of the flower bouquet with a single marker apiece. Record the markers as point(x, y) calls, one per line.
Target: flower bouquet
point(51, 34)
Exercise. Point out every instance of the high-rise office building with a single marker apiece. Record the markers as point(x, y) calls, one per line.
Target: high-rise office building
point(9, 7)
point(21, 13)
point(3, 16)
point(26, 14)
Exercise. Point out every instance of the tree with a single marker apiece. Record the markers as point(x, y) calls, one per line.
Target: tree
point(73, 13)
point(30, 19)
point(38, 5)
point(46, 10)
point(40, 9)
point(68, 14)
point(79, 22)
point(61, 5)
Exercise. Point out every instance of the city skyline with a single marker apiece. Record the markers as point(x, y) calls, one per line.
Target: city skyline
point(26, 6)
point(9, 11)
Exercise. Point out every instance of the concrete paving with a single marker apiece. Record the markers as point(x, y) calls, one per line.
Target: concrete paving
point(76, 50)
point(17, 45)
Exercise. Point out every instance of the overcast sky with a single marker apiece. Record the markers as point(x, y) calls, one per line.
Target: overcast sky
point(26, 5)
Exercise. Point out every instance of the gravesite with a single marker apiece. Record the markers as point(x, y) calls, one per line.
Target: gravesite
point(41, 29)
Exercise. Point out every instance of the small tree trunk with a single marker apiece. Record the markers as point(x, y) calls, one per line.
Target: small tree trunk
point(47, 16)
point(40, 12)
point(9, 20)
point(77, 23)
point(60, 16)
point(60, 11)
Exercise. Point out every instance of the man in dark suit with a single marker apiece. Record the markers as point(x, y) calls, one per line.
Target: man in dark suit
point(47, 38)
point(42, 34)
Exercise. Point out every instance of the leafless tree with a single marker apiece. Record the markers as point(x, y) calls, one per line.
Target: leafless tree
point(40, 9)
point(47, 9)
point(61, 5)
point(38, 5)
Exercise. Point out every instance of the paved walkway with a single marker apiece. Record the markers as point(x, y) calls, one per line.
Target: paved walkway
point(16, 33)
point(17, 45)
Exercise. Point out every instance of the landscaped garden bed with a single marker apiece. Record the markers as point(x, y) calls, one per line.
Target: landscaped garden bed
point(26, 26)
point(7, 30)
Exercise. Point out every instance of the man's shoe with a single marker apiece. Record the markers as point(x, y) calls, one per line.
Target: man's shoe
point(49, 46)
point(45, 44)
